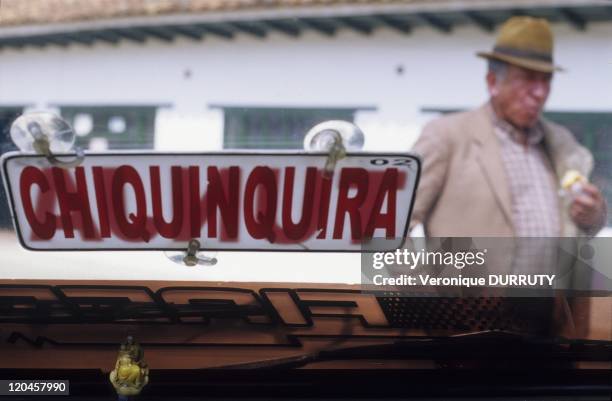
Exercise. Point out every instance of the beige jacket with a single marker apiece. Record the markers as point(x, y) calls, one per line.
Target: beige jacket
point(463, 190)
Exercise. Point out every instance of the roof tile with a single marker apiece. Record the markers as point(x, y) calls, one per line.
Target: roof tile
point(23, 12)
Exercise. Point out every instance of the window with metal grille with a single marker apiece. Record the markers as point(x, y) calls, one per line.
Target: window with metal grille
point(7, 116)
point(593, 130)
point(275, 128)
point(112, 127)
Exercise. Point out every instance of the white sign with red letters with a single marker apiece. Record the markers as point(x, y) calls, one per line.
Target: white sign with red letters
point(228, 201)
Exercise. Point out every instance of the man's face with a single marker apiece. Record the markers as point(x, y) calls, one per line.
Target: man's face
point(519, 96)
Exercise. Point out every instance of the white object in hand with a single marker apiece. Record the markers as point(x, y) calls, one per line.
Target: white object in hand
point(573, 182)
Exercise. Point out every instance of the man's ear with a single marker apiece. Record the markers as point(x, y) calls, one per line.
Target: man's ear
point(492, 84)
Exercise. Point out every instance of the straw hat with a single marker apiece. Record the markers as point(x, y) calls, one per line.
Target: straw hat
point(526, 42)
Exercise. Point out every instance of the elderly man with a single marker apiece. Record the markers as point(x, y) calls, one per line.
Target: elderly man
point(496, 170)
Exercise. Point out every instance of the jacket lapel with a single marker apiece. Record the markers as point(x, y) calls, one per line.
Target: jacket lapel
point(490, 160)
point(564, 153)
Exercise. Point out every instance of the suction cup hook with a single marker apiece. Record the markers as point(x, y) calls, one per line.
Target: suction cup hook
point(46, 134)
point(335, 137)
point(192, 256)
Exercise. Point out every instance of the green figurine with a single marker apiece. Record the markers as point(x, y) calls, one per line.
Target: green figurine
point(131, 372)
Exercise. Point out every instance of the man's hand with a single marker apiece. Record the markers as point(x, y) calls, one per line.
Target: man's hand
point(588, 210)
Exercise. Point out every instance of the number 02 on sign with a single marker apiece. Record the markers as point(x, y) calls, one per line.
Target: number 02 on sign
point(228, 201)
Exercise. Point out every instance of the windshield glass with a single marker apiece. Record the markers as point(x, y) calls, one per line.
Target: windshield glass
point(460, 182)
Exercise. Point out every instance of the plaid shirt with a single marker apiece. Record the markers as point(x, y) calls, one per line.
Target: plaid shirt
point(532, 181)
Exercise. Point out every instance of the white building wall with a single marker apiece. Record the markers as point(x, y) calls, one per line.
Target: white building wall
point(348, 70)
